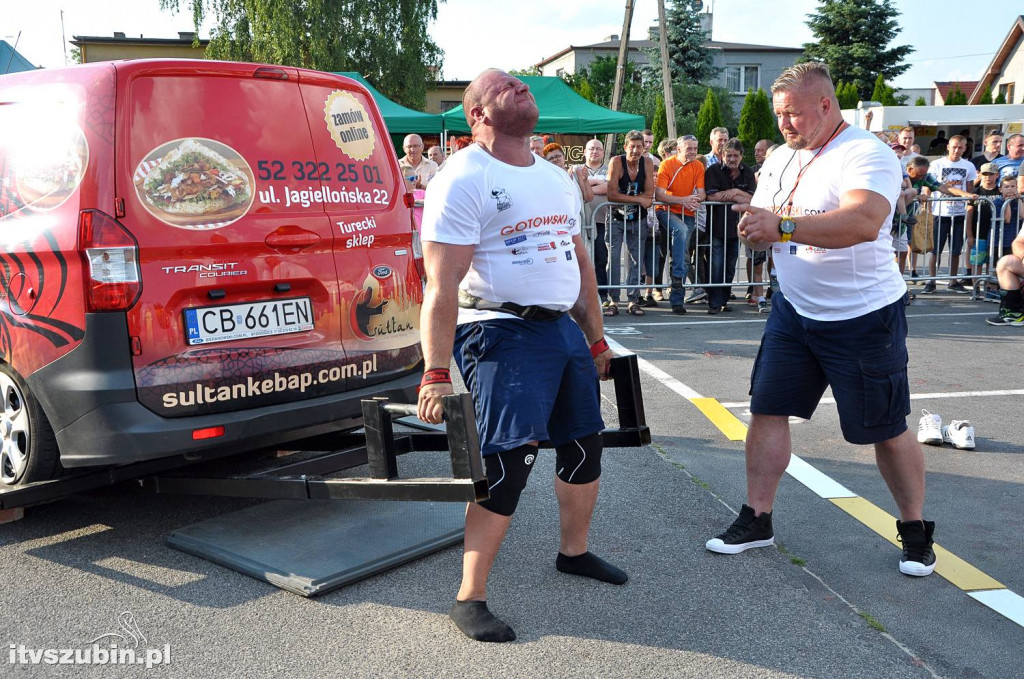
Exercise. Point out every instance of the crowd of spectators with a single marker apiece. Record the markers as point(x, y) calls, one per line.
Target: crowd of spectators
point(663, 231)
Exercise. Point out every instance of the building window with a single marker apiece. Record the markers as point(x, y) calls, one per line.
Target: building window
point(449, 105)
point(1006, 90)
point(739, 79)
point(560, 73)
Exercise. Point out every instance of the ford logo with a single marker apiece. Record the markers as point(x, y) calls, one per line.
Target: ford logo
point(382, 271)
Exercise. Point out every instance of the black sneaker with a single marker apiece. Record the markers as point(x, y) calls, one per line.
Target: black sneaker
point(679, 310)
point(746, 532)
point(929, 288)
point(1006, 317)
point(918, 555)
point(648, 301)
point(958, 287)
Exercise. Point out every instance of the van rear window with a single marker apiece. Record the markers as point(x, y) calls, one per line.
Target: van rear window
point(353, 147)
point(43, 155)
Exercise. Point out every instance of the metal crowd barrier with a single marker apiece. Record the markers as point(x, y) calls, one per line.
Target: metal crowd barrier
point(976, 259)
point(638, 255)
point(636, 258)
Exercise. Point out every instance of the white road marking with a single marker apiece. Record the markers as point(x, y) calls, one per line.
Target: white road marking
point(1002, 601)
point(734, 321)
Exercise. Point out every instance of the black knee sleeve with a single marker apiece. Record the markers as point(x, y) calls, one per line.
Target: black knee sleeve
point(579, 461)
point(507, 473)
point(677, 283)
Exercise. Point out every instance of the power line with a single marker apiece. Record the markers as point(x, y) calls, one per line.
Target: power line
point(959, 56)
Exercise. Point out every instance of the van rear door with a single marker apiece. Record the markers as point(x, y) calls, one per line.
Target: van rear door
point(218, 176)
point(380, 287)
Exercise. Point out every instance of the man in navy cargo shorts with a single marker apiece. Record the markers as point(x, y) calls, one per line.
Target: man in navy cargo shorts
point(823, 205)
point(511, 291)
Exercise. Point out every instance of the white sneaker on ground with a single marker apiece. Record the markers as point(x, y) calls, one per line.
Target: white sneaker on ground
point(929, 429)
point(959, 434)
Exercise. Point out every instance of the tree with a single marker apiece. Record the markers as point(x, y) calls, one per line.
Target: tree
point(920, 102)
point(956, 96)
point(846, 93)
point(689, 59)
point(757, 121)
point(660, 124)
point(883, 94)
point(385, 40)
point(708, 118)
point(852, 39)
point(601, 76)
point(986, 96)
point(1000, 99)
point(529, 70)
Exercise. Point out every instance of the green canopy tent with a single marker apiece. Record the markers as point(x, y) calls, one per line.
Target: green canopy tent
point(562, 111)
point(399, 119)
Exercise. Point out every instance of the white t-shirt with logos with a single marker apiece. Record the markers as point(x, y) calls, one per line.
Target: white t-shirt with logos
point(522, 221)
point(839, 283)
point(962, 173)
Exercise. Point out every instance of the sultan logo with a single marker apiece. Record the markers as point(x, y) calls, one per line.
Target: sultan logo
point(528, 460)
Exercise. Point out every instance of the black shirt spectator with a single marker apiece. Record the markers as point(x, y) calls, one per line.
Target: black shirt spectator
point(718, 177)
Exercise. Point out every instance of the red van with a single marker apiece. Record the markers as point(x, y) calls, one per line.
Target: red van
point(197, 256)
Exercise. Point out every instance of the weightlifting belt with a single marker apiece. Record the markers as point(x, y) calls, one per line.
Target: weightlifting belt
point(529, 313)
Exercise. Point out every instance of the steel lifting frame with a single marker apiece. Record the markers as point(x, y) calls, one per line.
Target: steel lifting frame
point(377, 447)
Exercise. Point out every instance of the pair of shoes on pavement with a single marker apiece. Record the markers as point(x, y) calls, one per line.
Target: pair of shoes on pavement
point(725, 308)
point(762, 307)
point(958, 288)
point(648, 301)
point(958, 433)
point(749, 531)
point(1007, 317)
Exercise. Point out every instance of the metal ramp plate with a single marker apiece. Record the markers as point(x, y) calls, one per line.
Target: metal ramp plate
point(309, 547)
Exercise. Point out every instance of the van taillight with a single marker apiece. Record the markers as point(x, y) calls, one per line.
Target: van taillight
point(111, 258)
point(417, 252)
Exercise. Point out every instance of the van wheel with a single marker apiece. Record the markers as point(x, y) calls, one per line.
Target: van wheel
point(29, 449)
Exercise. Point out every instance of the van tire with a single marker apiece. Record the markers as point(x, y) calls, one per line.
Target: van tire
point(29, 449)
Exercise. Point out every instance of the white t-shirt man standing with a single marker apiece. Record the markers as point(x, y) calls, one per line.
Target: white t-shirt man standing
point(957, 174)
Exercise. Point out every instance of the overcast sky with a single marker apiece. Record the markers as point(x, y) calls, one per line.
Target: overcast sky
point(475, 35)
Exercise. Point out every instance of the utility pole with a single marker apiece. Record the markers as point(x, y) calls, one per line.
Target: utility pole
point(666, 73)
point(620, 72)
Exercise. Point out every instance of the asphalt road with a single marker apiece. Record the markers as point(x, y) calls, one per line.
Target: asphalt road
point(829, 602)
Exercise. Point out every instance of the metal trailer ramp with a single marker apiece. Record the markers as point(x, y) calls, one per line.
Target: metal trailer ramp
point(309, 547)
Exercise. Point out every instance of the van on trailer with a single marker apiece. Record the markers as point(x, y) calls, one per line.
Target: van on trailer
point(197, 257)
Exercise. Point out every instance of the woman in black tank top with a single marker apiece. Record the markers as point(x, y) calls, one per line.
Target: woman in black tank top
point(630, 182)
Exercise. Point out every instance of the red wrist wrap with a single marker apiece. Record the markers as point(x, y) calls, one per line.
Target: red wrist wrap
point(598, 348)
point(436, 376)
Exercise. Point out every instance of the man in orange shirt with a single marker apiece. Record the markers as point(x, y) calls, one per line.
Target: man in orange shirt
point(680, 184)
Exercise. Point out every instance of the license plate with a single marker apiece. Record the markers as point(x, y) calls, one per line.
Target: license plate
point(205, 325)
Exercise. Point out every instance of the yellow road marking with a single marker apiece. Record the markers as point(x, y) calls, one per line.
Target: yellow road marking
point(960, 573)
point(948, 565)
point(728, 423)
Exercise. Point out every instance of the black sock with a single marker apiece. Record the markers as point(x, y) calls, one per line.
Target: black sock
point(590, 566)
point(477, 622)
point(1013, 300)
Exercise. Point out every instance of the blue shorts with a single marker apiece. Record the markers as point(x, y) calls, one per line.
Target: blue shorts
point(864, 359)
point(530, 381)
